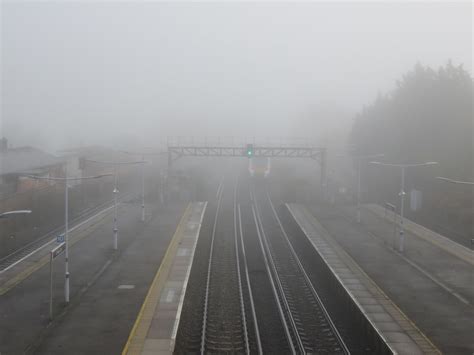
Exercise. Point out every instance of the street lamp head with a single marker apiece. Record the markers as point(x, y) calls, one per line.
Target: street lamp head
point(102, 175)
point(404, 165)
point(9, 213)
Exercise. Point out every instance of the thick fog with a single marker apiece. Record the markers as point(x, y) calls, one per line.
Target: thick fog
point(79, 73)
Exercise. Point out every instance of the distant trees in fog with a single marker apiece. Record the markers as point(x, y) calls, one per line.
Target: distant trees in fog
point(427, 117)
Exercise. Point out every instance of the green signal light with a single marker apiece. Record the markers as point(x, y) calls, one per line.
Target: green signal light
point(249, 150)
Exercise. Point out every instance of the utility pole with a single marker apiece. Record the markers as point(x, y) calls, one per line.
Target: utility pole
point(116, 166)
point(358, 159)
point(402, 193)
point(66, 220)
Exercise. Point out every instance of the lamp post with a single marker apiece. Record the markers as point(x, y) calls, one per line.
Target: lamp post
point(359, 159)
point(11, 213)
point(402, 193)
point(142, 154)
point(66, 220)
point(116, 191)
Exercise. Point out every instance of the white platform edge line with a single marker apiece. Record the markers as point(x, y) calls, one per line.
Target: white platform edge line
point(183, 290)
point(52, 240)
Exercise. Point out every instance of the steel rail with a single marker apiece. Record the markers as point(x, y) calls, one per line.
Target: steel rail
point(208, 276)
point(241, 296)
point(247, 277)
point(275, 280)
point(308, 281)
point(221, 262)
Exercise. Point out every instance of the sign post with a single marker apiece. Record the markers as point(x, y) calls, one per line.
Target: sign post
point(392, 208)
point(53, 255)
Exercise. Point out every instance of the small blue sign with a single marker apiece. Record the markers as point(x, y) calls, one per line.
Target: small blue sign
point(60, 238)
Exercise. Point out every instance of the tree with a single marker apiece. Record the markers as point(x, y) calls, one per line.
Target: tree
point(427, 117)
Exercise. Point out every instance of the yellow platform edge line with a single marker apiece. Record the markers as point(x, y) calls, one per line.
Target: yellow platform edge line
point(167, 256)
point(18, 278)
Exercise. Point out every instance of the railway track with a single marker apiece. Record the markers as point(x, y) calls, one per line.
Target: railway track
point(219, 293)
point(308, 326)
point(25, 251)
point(272, 337)
point(248, 291)
point(225, 319)
point(223, 324)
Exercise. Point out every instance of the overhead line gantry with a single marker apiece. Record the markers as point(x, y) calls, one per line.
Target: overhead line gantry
point(250, 151)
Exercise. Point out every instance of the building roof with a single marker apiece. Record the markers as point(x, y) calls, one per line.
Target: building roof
point(95, 152)
point(25, 160)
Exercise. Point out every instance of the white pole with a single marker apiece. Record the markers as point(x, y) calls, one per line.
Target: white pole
point(115, 209)
point(143, 188)
point(66, 239)
point(358, 191)
point(402, 202)
point(51, 286)
point(162, 176)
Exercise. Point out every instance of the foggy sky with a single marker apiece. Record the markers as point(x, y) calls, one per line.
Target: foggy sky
point(100, 72)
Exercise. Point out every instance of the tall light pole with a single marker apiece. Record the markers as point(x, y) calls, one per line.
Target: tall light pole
point(66, 220)
point(142, 154)
point(402, 193)
point(358, 159)
point(143, 188)
point(12, 213)
point(116, 191)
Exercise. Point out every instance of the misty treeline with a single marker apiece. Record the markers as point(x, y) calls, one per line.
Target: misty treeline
point(427, 117)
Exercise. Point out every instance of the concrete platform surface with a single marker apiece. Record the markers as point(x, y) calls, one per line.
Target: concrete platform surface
point(27, 265)
point(457, 250)
point(155, 328)
point(432, 287)
point(400, 334)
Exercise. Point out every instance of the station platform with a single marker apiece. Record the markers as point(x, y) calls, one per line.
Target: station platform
point(448, 264)
point(455, 249)
point(154, 331)
point(392, 325)
point(19, 270)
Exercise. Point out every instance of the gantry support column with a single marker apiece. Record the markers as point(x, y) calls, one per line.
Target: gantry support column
point(323, 164)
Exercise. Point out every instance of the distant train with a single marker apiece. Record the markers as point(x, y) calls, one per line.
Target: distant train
point(259, 167)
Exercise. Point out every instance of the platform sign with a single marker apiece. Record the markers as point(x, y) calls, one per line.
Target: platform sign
point(390, 206)
point(60, 238)
point(53, 255)
point(58, 250)
point(416, 198)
